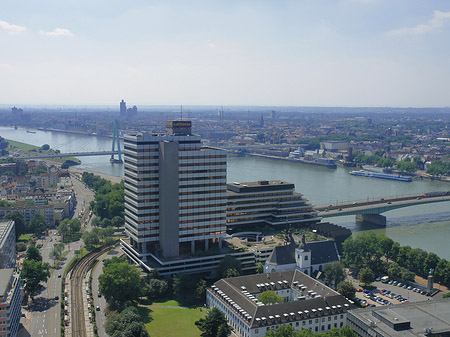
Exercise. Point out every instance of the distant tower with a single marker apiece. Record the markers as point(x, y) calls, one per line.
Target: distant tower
point(273, 114)
point(123, 109)
point(261, 123)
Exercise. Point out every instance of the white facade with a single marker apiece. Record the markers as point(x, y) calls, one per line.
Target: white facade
point(305, 306)
point(7, 244)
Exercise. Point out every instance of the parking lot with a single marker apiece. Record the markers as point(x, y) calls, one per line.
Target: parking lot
point(386, 294)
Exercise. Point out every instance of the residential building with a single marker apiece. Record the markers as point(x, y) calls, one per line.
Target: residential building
point(28, 211)
point(428, 318)
point(10, 301)
point(261, 203)
point(308, 304)
point(7, 244)
point(175, 193)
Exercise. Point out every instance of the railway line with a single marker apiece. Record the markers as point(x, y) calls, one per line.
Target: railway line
point(77, 278)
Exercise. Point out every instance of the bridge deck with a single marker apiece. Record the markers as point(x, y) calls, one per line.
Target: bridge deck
point(377, 206)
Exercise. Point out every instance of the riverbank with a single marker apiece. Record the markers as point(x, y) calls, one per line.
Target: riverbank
point(111, 178)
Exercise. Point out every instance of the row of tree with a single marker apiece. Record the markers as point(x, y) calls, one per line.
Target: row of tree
point(99, 236)
point(34, 271)
point(109, 197)
point(382, 255)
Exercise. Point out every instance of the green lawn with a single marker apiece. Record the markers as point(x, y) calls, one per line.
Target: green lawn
point(25, 237)
point(24, 147)
point(171, 322)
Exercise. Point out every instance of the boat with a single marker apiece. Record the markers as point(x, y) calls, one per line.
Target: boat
point(368, 174)
point(28, 131)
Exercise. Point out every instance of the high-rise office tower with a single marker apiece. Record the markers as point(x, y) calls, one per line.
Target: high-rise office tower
point(175, 193)
point(123, 109)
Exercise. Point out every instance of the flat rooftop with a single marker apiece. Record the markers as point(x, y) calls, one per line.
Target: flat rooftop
point(432, 314)
point(5, 277)
point(259, 186)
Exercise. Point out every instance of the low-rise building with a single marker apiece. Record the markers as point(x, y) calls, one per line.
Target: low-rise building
point(308, 258)
point(10, 300)
point(428, 318)
point(7, 244)
point(308, 304)
point(261, 203)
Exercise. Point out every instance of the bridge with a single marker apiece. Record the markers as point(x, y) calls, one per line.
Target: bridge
point(370, 210)
point(111, 153)
point(71, 154)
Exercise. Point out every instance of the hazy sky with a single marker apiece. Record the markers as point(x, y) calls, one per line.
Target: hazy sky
point(230, 52)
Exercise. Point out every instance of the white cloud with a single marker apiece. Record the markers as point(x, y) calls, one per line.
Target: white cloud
point(434, 24)
point(11, 29)
point(57, 32)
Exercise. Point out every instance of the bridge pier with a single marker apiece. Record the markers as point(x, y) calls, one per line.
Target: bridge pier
point(372, 219)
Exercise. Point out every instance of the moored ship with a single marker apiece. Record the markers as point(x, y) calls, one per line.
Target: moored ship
point(363, 173)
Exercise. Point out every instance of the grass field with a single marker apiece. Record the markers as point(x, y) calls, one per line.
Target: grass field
point(19, 145)
point(25, 237)
point(171, 322)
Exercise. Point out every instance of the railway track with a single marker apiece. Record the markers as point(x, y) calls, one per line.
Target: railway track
point(77, 277)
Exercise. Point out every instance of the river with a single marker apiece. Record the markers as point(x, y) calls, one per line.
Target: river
point(424, 226)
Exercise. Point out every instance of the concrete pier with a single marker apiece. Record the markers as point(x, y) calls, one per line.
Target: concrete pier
point(372, 219)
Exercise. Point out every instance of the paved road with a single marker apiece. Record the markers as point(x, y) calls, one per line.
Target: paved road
point(43, 318)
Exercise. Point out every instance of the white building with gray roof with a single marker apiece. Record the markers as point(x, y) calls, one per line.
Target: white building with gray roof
point(308, 258)
point(308, 304)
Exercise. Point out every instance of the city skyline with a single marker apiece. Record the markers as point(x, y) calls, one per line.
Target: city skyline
point(292, 53)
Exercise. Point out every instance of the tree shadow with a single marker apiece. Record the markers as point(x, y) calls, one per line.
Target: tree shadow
point(145, 314)
point(41, 304)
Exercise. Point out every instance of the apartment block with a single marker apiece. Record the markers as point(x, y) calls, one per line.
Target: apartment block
point(7, 244)
point(10, 300)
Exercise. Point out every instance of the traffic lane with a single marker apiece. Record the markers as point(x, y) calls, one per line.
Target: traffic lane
point(99, 301)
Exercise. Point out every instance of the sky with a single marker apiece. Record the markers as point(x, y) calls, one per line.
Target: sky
point(226, 52)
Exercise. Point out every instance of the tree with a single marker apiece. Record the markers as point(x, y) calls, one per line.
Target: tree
point(56, 252)
point(96, 221)
point(33, 253)
point(120, 281)
point(128, 324)
point(19, 222)
point(270, 297)
point(334, 274)
point(231, 272)
point(157, 288)
point(228, 262)
point(117, 221)
point(366, 276)
point(91, 238)
point(260, 268)
point(211, 323)
point(37, 224)
point(63, 228)
point(74, 226)
point(346, 289)
point(431, 262)
point(33, 273)
point(201, 290)
point(105, 223)
point(394, 270)
point(45, 147)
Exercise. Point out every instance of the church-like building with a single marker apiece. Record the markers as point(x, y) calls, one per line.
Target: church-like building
point(308, 258)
